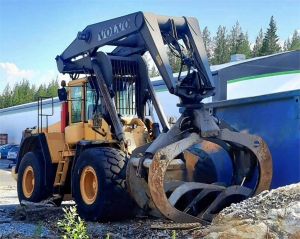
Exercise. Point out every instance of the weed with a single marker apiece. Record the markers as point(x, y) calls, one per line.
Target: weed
point(173, 234)
point(38, 230)
point(72, 226)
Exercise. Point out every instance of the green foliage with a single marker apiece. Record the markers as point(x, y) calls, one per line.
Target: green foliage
point(23, 92)
point(287, 45)
point(72, 226)
point(173, 234)
point(238, 41)
point(208, 44)
point(270, 42)
point(234, 38)
point(258, 44)
point(38, 230)
point(175, 62)
point(294, 42)
point(222, 49)
point(153, 72)
point(243, 45)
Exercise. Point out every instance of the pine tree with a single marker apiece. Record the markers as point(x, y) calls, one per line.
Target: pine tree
point(23, 93)
point(153, 72)
point(222, 51)
point(7, 96)
point(287, 45)
point(51, 90)
point(1, 102)
point(270, 43)
point(258, 44)
point(16, 97)
point(234, 38)
point(207, 43)
point(41, 92)
point(295, 42)
point(175, 62)
point(243, 45)
point(238, 41)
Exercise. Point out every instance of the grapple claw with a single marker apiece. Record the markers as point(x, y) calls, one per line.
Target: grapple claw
point(199, 202)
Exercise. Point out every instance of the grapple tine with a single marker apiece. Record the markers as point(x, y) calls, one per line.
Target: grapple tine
point(218, 203)
point(157, 171)
point(261, 151)
point(201, 196)
point(189, 186)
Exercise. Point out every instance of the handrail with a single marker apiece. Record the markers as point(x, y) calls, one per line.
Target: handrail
point(40, 112)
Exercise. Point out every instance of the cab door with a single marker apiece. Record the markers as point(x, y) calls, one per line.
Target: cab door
point(75, 131)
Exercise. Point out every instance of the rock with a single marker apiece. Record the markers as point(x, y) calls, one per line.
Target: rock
point(291, 218)
point(274, 214)
point(236, 229)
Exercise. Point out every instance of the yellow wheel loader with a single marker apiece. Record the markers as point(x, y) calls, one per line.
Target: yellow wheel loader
point(114, 150)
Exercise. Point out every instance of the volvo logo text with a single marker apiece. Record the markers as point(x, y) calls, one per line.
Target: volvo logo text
point(114, 29)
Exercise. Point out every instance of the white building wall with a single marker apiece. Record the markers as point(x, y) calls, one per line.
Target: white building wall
point(15, 119)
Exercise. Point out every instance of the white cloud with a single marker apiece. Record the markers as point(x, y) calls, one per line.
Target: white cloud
point(11, 73)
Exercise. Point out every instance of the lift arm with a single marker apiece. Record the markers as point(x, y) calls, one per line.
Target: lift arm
point(140, 32)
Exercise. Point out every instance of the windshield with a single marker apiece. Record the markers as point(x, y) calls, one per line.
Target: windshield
point(76, 104)
point(90, 102)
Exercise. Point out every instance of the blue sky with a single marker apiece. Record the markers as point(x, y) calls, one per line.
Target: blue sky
point(33, 32)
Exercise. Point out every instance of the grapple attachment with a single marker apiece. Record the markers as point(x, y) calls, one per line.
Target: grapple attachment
point(172, 190)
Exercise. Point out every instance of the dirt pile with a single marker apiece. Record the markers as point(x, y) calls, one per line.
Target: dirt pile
point(271, 214)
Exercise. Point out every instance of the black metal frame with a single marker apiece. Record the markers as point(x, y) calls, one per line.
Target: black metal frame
point(40, 113)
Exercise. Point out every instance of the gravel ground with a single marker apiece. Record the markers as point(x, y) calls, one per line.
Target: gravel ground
point(259, 207)
point(274, 214)
point(15, 224)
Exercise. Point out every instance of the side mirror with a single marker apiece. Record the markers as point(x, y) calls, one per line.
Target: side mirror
point(62, 94)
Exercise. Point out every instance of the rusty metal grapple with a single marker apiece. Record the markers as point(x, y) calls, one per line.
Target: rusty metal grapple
point(171, 188)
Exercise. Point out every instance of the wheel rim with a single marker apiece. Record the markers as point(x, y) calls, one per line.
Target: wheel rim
point(28, 182)
point(88, 185)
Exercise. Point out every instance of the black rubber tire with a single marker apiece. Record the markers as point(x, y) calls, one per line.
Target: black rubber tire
point(39, 191)
point(112, 201)
point(205, 170)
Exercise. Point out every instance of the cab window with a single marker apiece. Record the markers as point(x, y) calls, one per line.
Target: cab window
point(76, 104)
point(90, 102)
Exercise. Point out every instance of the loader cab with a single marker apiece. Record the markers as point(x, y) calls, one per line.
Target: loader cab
point(81, 106)
point(81, 97)
point(127, 85)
